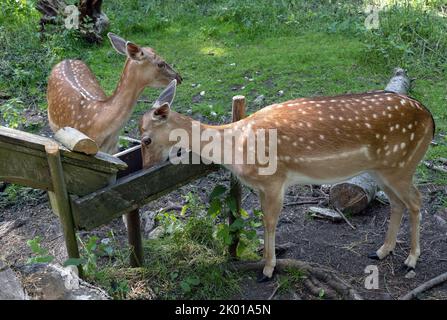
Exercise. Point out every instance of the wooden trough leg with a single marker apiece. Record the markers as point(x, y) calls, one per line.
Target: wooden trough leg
point(238, 109)
point(60, 201)
point(134, 237)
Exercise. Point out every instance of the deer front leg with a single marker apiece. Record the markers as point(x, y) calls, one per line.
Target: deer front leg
point(271, 205)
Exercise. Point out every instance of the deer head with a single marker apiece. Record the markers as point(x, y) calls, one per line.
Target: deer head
point(156, 125)
point(149, 68)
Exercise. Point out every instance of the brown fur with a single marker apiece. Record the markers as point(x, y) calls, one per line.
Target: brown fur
point(75, 98)
point(325, 140)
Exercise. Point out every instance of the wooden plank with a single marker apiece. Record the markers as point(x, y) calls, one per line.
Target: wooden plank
point(29, 167)
point(133, 191)
point(23, 161)
point(26, 169)
point(101, 161)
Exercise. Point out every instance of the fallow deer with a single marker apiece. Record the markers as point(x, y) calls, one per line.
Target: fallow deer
point(320, 140)
point(75, 98)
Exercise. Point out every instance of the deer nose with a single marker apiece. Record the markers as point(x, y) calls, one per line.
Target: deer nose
point(146, 140)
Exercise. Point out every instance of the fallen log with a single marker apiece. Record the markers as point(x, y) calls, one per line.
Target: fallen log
point(353, 196)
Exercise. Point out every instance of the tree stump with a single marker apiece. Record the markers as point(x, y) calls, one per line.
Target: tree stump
point(92, 21)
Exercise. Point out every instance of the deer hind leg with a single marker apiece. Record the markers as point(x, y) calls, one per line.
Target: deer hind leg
point(271, 205)
point(414, 206)
point(396, 213)
point(407, 196)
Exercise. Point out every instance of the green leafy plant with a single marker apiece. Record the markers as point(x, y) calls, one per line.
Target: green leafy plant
point(119, 289)
point(222, 203)
point(39, 254)
point(169, 222)
point(92, 249)
point(189, 283)
point(321, 294)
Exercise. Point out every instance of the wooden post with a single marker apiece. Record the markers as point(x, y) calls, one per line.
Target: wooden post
point(134, 236)
point(238, 109)
point(60, 200)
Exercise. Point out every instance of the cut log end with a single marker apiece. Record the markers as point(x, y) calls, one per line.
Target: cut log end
point(353, 196)
point(76, 141)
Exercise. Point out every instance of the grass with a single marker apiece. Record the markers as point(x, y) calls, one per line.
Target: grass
point(187, 261)
point(224, 48)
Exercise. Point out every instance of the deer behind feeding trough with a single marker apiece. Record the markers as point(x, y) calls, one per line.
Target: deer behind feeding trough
point(75, 98)
point(319, 140)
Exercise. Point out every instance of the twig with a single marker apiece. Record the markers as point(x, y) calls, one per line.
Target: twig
point(246, 196)
point(344, 218)
point(382, 201)
point(434, 167)
point(425, 286)
point(172, 208)
point(274, 291)
point(298, 203)
point(145, 101)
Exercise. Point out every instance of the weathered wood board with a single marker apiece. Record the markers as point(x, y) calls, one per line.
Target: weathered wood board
point(23, 160)
point(131, 192)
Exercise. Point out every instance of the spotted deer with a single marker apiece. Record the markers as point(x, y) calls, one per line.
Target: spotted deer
point(75, 98)
point(319, 140)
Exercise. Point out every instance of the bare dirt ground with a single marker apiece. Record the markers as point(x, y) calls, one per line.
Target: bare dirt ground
point(334, 245)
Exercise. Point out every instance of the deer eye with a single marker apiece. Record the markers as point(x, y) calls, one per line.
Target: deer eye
point(161, 65)
point(147, 141)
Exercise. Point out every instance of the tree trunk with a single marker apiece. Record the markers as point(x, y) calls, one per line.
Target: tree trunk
point(92, 21)
point(354, 195)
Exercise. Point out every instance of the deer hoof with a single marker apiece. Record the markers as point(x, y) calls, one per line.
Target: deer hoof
point(373, 256)
point(263, 278)
point(405, 269)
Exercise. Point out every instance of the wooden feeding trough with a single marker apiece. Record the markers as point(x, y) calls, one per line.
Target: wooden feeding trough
point(89, 191)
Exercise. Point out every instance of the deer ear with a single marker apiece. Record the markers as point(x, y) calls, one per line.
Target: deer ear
point(118, 43)
point(133, 51)
point(167, 96)
point(161, 113)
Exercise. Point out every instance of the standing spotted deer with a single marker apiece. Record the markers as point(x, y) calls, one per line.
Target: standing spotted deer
point(319, 140)
point(75, 98)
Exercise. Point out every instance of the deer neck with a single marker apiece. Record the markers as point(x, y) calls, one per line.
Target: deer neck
point(120, 105)
point(199, 136)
